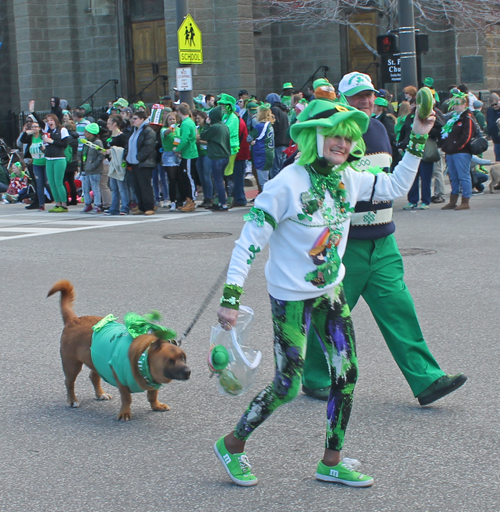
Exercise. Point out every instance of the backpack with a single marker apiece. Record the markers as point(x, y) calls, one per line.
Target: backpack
point(68, 153)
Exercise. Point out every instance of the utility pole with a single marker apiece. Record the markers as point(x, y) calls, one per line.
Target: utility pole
point(407, 44)
point(181, 11)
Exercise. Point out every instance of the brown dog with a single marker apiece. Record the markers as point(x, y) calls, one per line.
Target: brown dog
point(167, 362)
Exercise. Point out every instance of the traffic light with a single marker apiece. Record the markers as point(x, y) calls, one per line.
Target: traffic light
point(421, 43)
point(387, 43)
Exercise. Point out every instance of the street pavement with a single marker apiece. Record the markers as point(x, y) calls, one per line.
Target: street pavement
point(52, 458)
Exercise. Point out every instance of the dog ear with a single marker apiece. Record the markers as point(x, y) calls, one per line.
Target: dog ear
point(157, 343)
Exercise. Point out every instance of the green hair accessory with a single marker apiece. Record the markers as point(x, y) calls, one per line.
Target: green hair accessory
point(147, 324)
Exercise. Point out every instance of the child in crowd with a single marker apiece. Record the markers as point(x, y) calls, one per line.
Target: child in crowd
point(170, 137)
point(261, 139)
point(92, 165)
point(17, 184)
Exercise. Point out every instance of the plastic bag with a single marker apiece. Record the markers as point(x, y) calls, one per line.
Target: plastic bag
point(231, 361)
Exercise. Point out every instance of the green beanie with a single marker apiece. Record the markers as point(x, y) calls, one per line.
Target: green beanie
point(92, 128)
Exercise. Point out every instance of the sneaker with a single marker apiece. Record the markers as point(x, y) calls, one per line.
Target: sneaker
point(123, 213)
point(318, 394)
point(342, 473)
point(41, 209)
point(87, 209)
point(32, 206)
point(236, 464)
point(441, 387)
point(137, 212)
point(437, 199)
point(474, 192)
point(423, 206)
point(220, 208)
point(96, 209)
point(108, 213)
point(410, 206)
point(172, 207)
point(56, 209)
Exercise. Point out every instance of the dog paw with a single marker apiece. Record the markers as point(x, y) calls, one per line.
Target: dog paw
point(74, 405)
point(125, 416)
point(104, 396)
point(160, 407)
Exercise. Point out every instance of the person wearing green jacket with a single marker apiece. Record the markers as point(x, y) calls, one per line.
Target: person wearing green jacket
point(169, 159)
point(189, 153)
point(232, 121)
point(218, 142)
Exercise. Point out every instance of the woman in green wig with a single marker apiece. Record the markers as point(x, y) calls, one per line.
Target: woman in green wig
point(303, 213)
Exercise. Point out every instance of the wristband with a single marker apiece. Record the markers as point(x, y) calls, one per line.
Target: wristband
point(416, 145)
point(231, 296)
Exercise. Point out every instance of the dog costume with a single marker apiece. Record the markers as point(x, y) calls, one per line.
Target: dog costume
point(110, 349)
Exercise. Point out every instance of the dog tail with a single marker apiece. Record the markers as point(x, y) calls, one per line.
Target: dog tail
point(67, 298)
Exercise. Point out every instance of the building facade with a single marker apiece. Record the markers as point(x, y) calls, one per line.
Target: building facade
point(71, 48)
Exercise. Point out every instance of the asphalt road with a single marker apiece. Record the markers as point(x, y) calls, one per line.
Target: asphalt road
point(439, 458)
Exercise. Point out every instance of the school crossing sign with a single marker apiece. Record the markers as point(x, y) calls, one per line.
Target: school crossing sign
point(189, 42)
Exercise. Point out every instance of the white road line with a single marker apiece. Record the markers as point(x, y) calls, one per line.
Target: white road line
point(84, 225)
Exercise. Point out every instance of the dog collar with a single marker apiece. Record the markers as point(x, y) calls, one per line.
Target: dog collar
point(143, 366)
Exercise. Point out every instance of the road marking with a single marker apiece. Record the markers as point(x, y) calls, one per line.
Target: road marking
point(22, 224)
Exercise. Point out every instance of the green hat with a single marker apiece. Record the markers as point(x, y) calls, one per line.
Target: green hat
point(265, 106)
point(428, 82)
point(92, 128)
point(321, 82)
point(227, 99)
point(86, 107)
point(139, 104)
point(328, 114)
point(199, 99)
point(381, 102)
point(120, 103)
point(287, 85)
point(252, 105)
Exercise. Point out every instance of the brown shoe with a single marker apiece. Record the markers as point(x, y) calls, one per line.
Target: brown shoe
point(464, 205)
point(452, 204)
point(137, 212)
point(190, 206)
point(149, 212)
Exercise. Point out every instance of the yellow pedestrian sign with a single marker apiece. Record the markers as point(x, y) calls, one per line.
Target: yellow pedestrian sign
point(189, 42)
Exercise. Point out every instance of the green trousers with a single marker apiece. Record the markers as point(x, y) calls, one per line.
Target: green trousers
point(374, 270)
point(55, 174)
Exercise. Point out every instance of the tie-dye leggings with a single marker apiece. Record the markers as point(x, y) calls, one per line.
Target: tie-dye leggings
point(329, 319)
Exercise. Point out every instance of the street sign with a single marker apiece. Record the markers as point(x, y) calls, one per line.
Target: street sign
point(184, 78)
point(189, 42)
point(391, 68)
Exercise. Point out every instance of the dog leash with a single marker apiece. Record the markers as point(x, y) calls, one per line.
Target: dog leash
point(204, 304)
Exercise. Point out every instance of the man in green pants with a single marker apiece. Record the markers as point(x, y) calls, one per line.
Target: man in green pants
point(374, 270)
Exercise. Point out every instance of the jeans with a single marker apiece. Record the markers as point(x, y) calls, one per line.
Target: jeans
point(41, 180)
point(459, 172)
point(218, 167)
point(119, 191)
point(478, 178)
point(263, 177)
point(496, 149)
point(239, 182)
point(279, 160)
point(92, 181)
point(159, 173)
point(424, 175)
point(204, 168)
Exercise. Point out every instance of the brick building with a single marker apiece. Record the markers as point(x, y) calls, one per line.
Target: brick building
point(70, 48)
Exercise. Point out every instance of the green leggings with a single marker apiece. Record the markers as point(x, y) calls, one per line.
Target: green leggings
point(328, 319)
point(55, 174)
point(374, 270)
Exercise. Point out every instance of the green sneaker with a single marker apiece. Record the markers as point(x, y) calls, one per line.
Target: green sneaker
point(423, 206)
point(342, 473)
point(441, 387)
point(56, 209)
point(236, 464)
point(410, 206)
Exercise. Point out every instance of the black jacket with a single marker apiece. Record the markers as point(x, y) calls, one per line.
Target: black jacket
point(281, 125)
point(56, 149)
point(460, 136)
point(56, 109)
point(146, 147)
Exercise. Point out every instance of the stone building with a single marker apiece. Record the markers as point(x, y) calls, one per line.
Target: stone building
point(70, 48)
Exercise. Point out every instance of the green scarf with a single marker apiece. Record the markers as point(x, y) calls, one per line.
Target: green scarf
point(445, 131)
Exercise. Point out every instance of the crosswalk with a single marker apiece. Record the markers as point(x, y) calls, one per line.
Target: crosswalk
point(25, 224)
